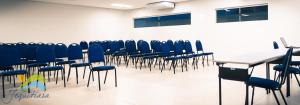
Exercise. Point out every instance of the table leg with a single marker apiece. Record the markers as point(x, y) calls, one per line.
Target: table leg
point(220, 92)
point(288, 93)
point(268, 73)
point(247, 95)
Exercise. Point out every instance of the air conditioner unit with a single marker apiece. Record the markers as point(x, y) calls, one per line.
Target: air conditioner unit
point(161, 5)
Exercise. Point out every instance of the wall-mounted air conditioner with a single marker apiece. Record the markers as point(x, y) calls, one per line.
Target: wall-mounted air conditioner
point(161, 5)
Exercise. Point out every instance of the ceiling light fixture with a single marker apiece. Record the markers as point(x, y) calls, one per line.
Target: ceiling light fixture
point(121, 5)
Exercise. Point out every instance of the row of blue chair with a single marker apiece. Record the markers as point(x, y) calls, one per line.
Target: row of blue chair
point(49, 58)
point(141, 52)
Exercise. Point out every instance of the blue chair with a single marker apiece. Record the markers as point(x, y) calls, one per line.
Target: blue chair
point(275, 45)
point(177, 56)
point(274, 85)
point(165, 52)
point(200, 50)
point(10, 56)
point(31, 60)
point(75, 54)
point(131, 49)
point(46, 54)
point(191, 54)
point(84, 45)
point(96, 55)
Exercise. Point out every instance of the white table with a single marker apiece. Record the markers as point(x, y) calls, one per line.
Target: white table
point(251, 60)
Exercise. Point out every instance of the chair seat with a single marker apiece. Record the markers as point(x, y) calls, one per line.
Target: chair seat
point(207, 53)
point(198, 55)
point(291, 69)
point(13, 72)
point(263, 83)
point(59, 60)
point(103, 68)
point(28, 61)
point(150, 57)
point(6, 68)
point(51, 68)
point(79, 64)
point(295, 63)
point(37, 64)
point(119, 53)
point(64, 62)
point(174, 58)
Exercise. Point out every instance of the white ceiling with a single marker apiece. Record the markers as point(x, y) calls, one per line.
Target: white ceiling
point(108, 3)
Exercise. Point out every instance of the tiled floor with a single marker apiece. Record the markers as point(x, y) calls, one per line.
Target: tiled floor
point(142, 87)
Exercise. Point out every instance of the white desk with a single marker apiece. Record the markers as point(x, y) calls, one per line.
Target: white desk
point(252, 60)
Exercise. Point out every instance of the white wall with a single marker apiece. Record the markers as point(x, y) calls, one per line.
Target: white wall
point(46, 22)
point(227, 38)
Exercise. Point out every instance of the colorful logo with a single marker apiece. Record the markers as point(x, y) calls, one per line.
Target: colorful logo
point(35, 83)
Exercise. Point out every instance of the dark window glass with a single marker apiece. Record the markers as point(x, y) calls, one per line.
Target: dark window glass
point(146, 22)
point(261, 12)
point(180, 19)
point(170, 20)
point(243, 14)
point(254, 13)
point(228, 15)
point(248, 14)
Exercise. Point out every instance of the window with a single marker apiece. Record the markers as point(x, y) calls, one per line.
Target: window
point(171, 20)
point(228, 15)
point(249, 13)
point(146, 22)
point(168, 20)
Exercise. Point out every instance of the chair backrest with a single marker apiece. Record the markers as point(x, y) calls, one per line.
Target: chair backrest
point(114, 46)
point(22, 48)
point(199, 45)
point(75, 52)
point(45, 54)
point(9, 56)
point(275, 45)
point(171, 45)
point(121, 44)
point(84, 45)
point(144, 47)
point(155, 45)
point(179, 47)
point(165, 49)
point(96, 54)
point(188, 47)
point(130, 47)
point(30, 51)
point(61, 50)
point(286, 63)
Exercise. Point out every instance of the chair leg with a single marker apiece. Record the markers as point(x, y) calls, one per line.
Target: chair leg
point(116, 83)
point(297, 79)
point(56, 73)
point(275, 75)
point(89, 78)
point(105, 76)
point(76, 75)
point(283, 97)
point(3, 93)
point(252, 95)
point(84, 71)
point(275, 97)
point(14, 80)
point(64, 76)
point(99, 81)
point(69, 74)
point(44, 80)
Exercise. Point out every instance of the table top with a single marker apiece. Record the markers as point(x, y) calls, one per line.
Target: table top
point(253, 58)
